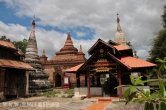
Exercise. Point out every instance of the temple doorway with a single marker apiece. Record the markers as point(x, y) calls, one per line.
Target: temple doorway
point(109, 84)
point(15, 83)
point(58, 80)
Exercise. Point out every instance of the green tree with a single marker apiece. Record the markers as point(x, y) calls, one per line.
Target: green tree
point(4, 38)
point(164, 17)
point(159, 46)
point(159, 43)
point(152, 100)
point(22, 44)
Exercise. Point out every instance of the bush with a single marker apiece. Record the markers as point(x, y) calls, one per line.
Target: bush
point(157, 99)
point(48, 94)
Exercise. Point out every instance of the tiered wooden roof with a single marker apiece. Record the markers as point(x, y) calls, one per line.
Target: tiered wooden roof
point(7, 44)
point(11, 63)
point(14, 64)
point(121, 54)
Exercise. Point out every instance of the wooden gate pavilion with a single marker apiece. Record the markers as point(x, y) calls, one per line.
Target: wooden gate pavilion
point(109, 65)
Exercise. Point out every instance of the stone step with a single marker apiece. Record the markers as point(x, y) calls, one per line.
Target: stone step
point(104, 99)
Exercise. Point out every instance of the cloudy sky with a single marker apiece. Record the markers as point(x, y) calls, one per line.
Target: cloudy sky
point(87, 20)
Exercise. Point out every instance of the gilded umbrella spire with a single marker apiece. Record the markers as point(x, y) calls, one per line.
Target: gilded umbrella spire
point(119, 29)
point(32, 50)
point(119, 35)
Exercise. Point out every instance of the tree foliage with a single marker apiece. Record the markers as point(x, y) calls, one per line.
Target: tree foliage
point(4, 38)
point(159, 43)
point(164, 17)
point(21, 45)
point(152, 100)
point(159, 46)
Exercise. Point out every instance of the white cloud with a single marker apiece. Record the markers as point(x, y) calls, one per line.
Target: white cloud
point(13, 31)
point(140, 19)
point(142, 54)
point(49, 40)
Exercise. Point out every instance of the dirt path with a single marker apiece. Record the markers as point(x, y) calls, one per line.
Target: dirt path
point(44, 103)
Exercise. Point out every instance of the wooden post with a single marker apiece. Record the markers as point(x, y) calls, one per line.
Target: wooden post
point(27, 83)
point(120, 83)
point(88, 92)
point(85, 80)
point(78, 79)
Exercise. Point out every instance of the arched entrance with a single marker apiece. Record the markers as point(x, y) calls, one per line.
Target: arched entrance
point(58, 80)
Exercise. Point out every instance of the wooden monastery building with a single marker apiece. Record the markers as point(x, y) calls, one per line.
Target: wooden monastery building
point(13, 81)
point(21, 75)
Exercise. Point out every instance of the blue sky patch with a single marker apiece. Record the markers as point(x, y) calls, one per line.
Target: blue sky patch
point(7, 15)
point(77, 32)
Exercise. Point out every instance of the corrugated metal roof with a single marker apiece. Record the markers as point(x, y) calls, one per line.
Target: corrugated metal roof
point(14, 64)
point(7, 44)
point(135, 62)
point(74, 69)
point(122, 47)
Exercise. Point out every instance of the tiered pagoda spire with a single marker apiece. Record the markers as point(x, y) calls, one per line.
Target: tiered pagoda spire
point(68, 42)
point(68, 47)
point(119, 36)
point(43, 57)
point(119, 29)
point(38, 80)
point(80, 49)
point(44, 53)
point(31, 50)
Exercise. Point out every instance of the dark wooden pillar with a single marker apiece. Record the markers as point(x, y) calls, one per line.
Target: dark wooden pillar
point(120, 83)
point(144, 77)
point(98, 80)
point(88, 91)
point(78, 79)
point(93, 81)
point(2, 79)
point(85, 80)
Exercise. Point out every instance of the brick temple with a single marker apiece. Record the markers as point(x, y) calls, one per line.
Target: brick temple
point(67, 57)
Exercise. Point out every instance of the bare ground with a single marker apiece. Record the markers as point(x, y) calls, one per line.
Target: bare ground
point(44, 103)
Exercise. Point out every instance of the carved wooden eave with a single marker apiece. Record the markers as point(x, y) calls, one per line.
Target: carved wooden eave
point(99, 42)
